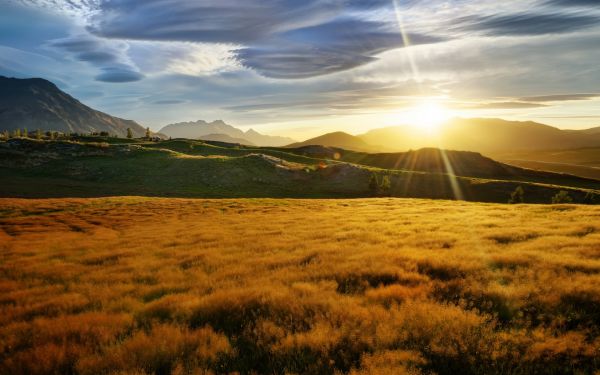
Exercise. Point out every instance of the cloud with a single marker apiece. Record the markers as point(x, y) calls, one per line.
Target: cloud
point(169, 101)
point(278, 38)
point(574, 3)
point(339, 45)
point(118, 75)
point(499, 105)
point(109, 56)
point(559, 98)
point(526, 23)
point(224, 21)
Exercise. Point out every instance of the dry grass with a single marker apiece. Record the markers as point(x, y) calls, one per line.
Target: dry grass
point(374, 286)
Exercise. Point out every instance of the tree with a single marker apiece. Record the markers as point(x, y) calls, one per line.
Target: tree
point(517, 196)
point(129, 133)
point(5, 134)
point(379, 187)
point(38, 134)
point(591, 198)
point(373, 185)
point(148, 133)
point(385, 186)
point(562, 197)
point(25, 133)
point(17, 133)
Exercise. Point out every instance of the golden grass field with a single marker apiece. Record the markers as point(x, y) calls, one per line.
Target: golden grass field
point(370, 286)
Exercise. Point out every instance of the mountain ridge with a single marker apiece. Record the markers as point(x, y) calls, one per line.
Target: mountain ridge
point(335, 139)
point(199, 128)
point(36, 103)
point(487, 135)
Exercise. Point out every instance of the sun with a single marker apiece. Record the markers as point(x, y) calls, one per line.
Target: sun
point(428, 116)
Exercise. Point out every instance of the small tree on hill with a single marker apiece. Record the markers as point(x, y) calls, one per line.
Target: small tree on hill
point(379, 187)
point(17, 133)
point(385, 186)
point(25, 133)
point(38, 134)
point(517, 196)
point(562, 197)
point(373, 185)
point(129, 133)
point(591, 198)
point(148, 133)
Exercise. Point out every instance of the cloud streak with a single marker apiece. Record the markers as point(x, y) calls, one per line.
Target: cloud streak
point(109, 56)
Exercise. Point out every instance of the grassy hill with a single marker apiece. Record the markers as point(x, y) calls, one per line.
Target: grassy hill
point(134, 285)
point(183, 168)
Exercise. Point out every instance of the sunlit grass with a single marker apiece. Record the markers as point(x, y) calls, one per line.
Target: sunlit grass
point(375, 286)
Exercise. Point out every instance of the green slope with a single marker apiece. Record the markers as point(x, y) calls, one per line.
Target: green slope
point(182, 168)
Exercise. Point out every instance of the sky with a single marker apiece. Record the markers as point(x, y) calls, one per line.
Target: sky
point(304, 67)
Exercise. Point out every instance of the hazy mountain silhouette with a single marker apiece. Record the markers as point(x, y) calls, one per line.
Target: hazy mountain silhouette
point(38, 104)
point(200, 128)
point(226, 139)
point(484, 135)
point(336, 139)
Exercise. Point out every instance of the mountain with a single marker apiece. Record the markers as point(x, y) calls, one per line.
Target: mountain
point(484, 135)
point(335, 139)
point(200, 128)
point(226, 139)
point(595, 130)
point(266, 140)
point(38, 104)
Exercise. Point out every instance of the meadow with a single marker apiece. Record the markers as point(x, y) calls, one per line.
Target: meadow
point(135, 285)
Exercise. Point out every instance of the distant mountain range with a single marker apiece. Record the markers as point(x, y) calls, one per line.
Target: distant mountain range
point(226, 139)
point(489, 136)
point(38, 104)
point(336, 139)
point(220, 131)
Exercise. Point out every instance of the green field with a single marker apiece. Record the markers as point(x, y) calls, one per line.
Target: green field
point(187, 168)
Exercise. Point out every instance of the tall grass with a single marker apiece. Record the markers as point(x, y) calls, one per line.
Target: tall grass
point(374, 286)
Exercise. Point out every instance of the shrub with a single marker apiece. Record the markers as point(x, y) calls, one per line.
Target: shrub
point(562, 197)
point(129, 133)
point(517, 196)
point(373, 184)
point(379, 187)
point(591, 198)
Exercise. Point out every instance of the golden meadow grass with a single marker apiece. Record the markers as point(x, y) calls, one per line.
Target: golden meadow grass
point(371, 286)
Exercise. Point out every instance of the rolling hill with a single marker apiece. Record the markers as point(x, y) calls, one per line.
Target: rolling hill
point(200, 128)
point(184, 168)
point(38, 104)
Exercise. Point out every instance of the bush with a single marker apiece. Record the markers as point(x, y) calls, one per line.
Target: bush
point(591, 198)
point(517, 196)
point(562, 197)
point(379, 187)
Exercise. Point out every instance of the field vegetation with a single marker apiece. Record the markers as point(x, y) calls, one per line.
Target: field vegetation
point(136, 285)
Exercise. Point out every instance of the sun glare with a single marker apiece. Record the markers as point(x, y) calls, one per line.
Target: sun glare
point(428, 116)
